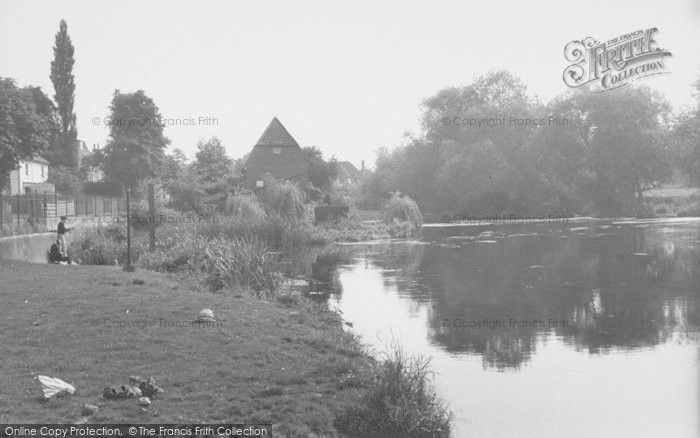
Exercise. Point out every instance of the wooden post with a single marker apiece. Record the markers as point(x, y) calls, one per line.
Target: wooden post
point(45, 208)
point(152, 214)
point(19, 207)
point(128, 231)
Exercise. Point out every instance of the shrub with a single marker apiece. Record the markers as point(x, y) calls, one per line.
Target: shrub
point(224, 262)
point(402, 209)
point(313, 193)
point(102, 246)
point(284, 199)
point(400, 403)
point(245, 207)
point(141, 218)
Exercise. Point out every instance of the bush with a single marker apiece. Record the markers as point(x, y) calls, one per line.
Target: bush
point(244, 207)
point(237, 262)
point(400, 403)
point(102, 246)
point(313, 193)
point(284, 199)
point(400, 209)
point(141, 218)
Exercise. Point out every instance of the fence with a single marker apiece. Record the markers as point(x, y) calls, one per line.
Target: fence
point(44, 209)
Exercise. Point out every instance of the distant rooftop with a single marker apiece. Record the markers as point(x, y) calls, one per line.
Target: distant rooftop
point(276, 135)
point(36, 159)
point(347, 170)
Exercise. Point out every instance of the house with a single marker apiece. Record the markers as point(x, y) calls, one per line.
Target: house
point(93, 173)
point(29, 177)
point(347, 173)
point(278, 154)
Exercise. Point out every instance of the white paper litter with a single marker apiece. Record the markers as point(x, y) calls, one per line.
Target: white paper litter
point(52, 386)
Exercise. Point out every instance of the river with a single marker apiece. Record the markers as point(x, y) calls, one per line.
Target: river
point(588, 328)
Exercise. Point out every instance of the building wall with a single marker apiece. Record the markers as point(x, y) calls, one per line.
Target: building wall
point(29, 172)
point(284, 163)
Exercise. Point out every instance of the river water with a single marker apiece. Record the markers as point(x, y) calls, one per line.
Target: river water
point(589, 328)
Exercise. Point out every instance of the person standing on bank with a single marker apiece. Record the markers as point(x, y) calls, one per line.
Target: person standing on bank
point(62, 230)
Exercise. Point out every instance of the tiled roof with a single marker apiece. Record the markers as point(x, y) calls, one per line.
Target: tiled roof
point(276, 135)
point(37, 159)
point(347, 170)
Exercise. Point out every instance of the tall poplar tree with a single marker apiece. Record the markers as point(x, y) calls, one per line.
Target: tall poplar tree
point(64, 86)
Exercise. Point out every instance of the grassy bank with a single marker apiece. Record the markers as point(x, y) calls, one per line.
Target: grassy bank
point(265, 361)
point(295, 355)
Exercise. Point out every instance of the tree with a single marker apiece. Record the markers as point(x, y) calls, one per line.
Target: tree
point(488, 149)
point(321, 172)
point(135, 149)
point(619, 139)
point(212, 169)
point(64, 180)
point(211, 162)
point(187, 194)
point(687, 141)
point(174, 167)
point(64, 86)
point(453, 166)
point(24, 131)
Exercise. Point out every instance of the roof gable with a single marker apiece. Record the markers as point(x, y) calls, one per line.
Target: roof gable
point(276, 135)
point(347, 170)
point(35, 159)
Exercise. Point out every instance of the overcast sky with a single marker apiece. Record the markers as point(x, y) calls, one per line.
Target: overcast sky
point(348, 76)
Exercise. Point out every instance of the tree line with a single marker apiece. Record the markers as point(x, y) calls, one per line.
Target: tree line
point(584, 152)
point(32, 124)
point(581, 153)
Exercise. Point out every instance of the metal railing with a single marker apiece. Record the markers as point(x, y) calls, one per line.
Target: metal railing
point(16, 212)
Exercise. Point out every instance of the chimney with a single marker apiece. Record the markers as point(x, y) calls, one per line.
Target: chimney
point(363, 165)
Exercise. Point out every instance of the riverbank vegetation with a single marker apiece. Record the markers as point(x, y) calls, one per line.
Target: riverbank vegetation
point(249, 228)
point(238, 255)
point(401, 402)
point(489, 148)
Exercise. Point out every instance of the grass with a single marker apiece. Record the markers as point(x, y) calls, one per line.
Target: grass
point(401, 402)
point(264, 362)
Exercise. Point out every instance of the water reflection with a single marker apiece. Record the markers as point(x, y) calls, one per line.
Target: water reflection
point(602, 287)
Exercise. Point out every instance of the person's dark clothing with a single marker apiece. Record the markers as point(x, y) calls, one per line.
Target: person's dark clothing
point(62, 228)
point(55, 255)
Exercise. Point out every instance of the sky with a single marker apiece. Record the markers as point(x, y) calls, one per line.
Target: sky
point(348, 77)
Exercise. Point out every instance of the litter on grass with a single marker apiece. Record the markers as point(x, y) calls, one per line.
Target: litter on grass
point(52, 386)
point(206, 315)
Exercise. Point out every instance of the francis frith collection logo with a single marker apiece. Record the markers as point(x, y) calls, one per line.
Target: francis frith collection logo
point(614, 63)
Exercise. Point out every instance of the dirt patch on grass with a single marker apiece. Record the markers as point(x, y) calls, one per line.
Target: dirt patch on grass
point(94, 326)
